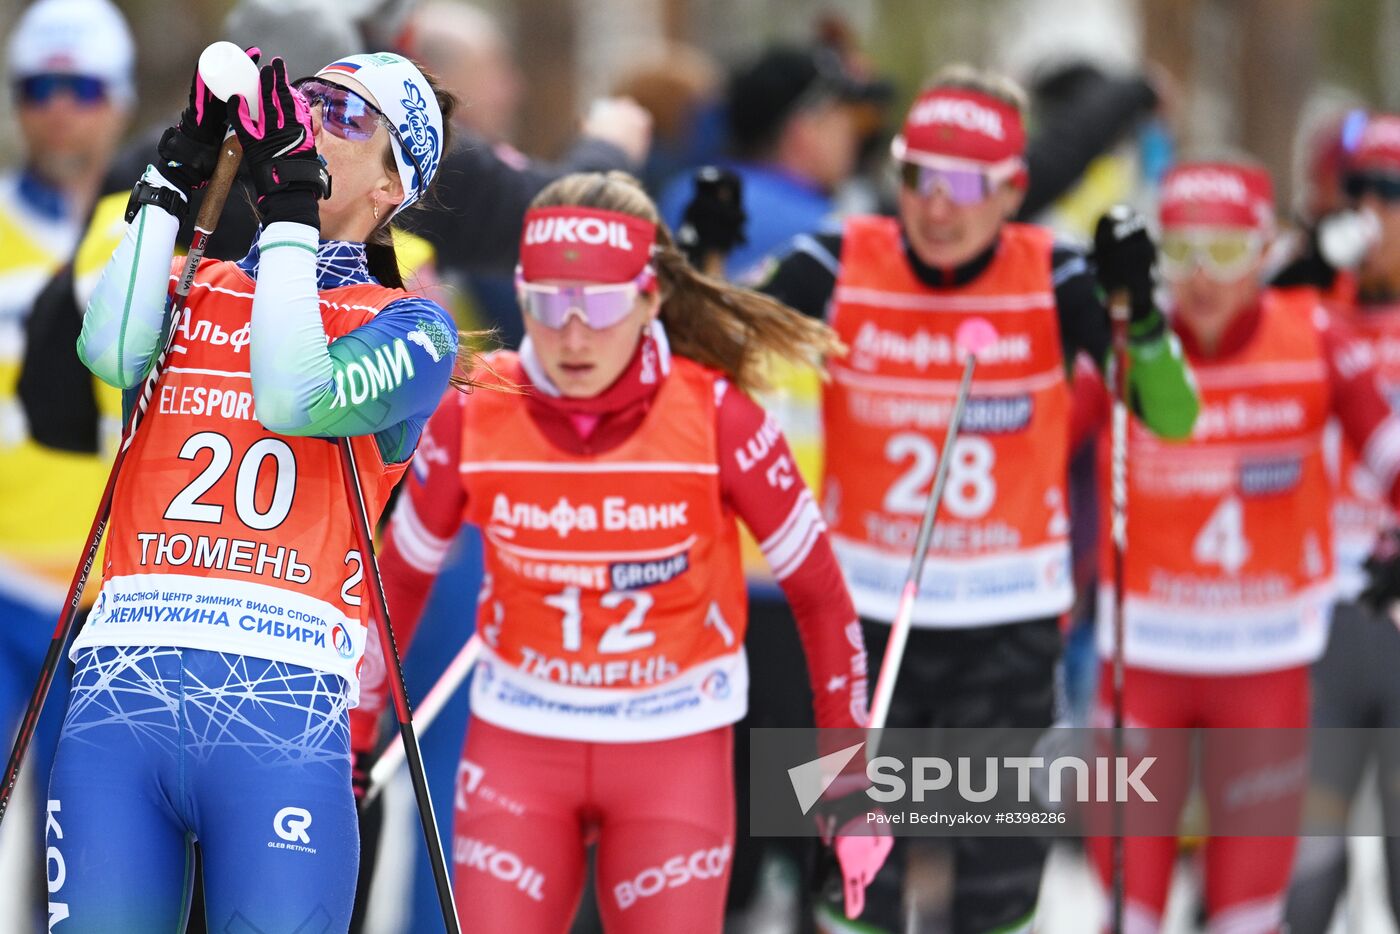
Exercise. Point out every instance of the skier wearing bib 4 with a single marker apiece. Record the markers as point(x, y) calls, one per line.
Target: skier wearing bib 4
point(985, 641)
point(214, 674)
point(613, 608)
point(1229, 558)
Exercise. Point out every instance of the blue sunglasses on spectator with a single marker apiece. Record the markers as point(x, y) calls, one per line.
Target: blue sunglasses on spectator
point(40, 89)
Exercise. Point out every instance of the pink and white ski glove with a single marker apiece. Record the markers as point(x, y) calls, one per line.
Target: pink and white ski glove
point(279, 148)
point(190, 149)
point(860, 851)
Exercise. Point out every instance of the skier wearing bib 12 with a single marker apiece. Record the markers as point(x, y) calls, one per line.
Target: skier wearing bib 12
point(1229, 559)
point(214, 674)
point(613, 608)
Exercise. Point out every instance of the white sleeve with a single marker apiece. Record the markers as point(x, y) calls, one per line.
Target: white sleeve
point(122, 327)
point(290, 363)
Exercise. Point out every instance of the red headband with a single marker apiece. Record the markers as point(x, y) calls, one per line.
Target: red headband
point(584, 244)
point(1217, 194)
point(1379, 146)
point(962, 124)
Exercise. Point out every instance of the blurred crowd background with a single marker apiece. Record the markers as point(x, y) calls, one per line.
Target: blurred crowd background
point(1241, 70)
point(1119, 89)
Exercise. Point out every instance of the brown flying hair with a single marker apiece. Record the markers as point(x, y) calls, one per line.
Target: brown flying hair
point(707, 319)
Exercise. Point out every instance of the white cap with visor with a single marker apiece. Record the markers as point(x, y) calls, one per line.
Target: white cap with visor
point(409, 105)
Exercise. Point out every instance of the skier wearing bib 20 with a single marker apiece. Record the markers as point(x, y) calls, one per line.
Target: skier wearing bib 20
point(613, 609)
point(1229, 559)
point(214, 674)
point(986, 634)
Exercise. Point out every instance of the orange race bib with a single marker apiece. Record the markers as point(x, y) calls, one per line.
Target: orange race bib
point(614, 604)
point(1229, 551)
point(1000, 550)
point(224, 535)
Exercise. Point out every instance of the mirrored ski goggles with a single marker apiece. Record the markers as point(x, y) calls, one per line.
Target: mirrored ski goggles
point(1383, 185)
point(962, 186)
point(597, 306)
point(40, 89)
point(349, 116)
point(1224, 255)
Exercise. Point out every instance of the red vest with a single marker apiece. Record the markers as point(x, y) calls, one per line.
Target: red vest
point(1000, 550)
point(614, 603)
point(224, 535)
point(1362, 508)
point(1229, 551)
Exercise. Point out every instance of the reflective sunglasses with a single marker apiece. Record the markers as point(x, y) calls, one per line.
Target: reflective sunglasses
point(40, 89)
point(1383, 185)
point(597, 306)
point(1224, 254)
point(349, 116)
point(964, 187)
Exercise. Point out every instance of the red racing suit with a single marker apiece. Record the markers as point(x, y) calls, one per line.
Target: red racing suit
point(613, 617)
point(1228, 581)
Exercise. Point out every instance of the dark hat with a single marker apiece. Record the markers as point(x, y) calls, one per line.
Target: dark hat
point(765, 92)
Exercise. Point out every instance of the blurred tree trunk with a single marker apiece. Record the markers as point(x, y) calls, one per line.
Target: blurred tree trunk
point(675, 20)
point(1245, 67)
point(1279, 68)
point(547, 57)
point(1168, 32)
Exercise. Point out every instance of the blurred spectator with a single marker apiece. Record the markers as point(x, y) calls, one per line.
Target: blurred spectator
point(55, 388)
point(794, 137)
point(470, 53)
point(1331, 233)
point(868, 190)
point(1329, 128)
point(485, 184)
point(680, 86)
point(1078, 165)
point(1095, 142)
point(70, 71)
point(305, 33)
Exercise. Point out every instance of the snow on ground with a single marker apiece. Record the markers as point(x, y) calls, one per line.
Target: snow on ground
point(1071, 902)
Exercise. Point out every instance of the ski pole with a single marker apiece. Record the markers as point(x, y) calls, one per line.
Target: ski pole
point(209, 210)
point(1118, 316)
point(394, 670)
point(973, 336)
point(447, 684)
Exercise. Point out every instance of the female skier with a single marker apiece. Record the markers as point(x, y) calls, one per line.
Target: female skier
point(216, 669)
point(1229, 558)
point(613, 607)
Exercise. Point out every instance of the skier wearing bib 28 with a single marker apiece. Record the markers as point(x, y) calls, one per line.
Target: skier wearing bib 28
point(613, 609)
point(214, 674)
point(1229, 559)
point(986, 633)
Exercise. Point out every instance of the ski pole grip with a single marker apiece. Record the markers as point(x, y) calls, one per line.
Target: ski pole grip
point(230, 154)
